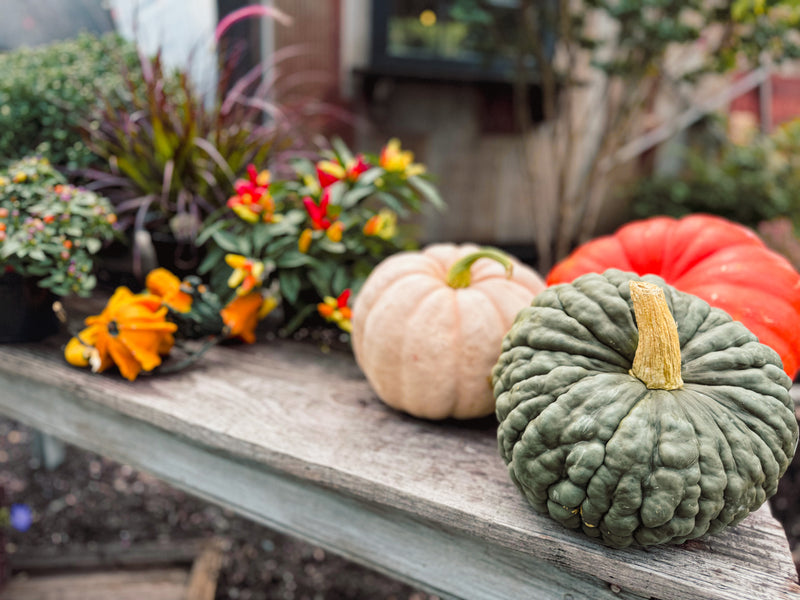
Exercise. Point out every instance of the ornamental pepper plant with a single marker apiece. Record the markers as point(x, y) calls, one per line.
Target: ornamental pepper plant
point(314, 237)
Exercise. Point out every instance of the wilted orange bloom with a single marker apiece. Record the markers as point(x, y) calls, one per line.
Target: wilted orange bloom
point(132, 333)
point(77, 353)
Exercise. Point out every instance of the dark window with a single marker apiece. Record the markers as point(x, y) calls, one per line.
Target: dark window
point(446, 39)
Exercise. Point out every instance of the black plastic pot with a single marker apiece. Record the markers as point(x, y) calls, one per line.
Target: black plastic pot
point(26, 310)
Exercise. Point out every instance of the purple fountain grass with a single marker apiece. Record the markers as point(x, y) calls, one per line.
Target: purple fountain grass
point(246, 12)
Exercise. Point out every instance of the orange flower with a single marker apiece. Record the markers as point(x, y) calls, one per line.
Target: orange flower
point(167, 286)
point(242, 314)
point(132, 333)
point(77, 353)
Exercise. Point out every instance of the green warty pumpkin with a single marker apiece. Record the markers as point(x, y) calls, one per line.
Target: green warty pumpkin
point(691, 443)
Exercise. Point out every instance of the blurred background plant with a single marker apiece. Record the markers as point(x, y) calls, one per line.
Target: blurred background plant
point(313, 239)
point(754, 180)
point(750, 182)
point(170, 158)
point(49, 229)
point(46, 91)
point(597, 69)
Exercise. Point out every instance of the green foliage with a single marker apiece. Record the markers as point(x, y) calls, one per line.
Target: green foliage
point(50, 229)
point(747, 184)
point(321, 232)
point(46, 91)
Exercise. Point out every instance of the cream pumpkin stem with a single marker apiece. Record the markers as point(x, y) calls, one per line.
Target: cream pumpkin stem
point(657, 361)
point(459, 275)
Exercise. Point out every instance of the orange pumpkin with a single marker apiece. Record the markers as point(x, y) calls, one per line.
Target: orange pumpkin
point(722, 262)
point(427, 327)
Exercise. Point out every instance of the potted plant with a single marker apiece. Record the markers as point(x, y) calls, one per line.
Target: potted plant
point(49, 233)
point(310, 240)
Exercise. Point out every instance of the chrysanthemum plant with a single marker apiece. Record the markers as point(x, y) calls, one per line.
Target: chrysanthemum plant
point(50, 230)
point(310, 241)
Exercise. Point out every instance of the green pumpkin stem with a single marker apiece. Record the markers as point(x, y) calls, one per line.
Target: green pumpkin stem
point(459, 275)
point(658, 356)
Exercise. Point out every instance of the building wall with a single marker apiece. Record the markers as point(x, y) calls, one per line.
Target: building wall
point(183, 37)
point(308, 51)
point(496, 182)
point(482, 176)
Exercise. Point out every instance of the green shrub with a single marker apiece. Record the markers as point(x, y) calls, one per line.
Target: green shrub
point(47, 90)
point(747, 184)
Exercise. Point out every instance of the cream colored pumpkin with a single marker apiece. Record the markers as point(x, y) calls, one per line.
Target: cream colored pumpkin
point(428, 348)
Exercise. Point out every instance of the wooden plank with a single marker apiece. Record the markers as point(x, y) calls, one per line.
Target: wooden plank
point(107, 556)
point(294, 438)
point(394, 542)
point(202, 583)
point(179, 569)
point(154, 584)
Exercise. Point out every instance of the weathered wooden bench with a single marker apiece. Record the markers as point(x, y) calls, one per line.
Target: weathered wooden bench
point(293, 438)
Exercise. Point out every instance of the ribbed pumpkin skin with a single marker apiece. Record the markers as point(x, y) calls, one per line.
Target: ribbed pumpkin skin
point(428, 349)
point(723, 263)
point(590, 445)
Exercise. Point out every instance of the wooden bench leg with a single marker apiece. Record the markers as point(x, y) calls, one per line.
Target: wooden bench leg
point(48, 450)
